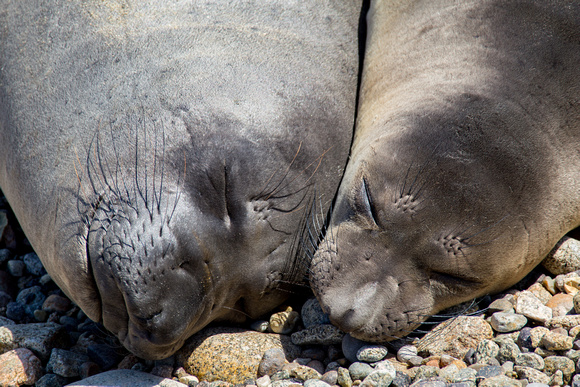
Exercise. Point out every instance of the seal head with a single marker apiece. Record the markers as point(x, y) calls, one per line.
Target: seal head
point(462, 175)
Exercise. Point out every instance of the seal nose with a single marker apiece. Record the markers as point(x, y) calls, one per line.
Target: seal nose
point(355, 309)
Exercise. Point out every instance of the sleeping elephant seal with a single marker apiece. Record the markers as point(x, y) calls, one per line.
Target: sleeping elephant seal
point(465, 167)
point(161, 157)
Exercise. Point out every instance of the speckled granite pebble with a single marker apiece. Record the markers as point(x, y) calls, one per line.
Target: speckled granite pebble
point(214, 353)
point(553, 341)
point(343, 377)
point(304, 373)
point(562, 363)
point(318, 334)
point(485, 350)
point(19, 366)
point(532, 360)
point(564, 258)
point(316, 383)
point(371, 353)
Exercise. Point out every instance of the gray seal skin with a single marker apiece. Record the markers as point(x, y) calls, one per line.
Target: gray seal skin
point(162, 157)
point(465, 166)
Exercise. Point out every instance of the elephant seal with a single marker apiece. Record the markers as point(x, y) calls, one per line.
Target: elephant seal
point(162, 157)
point(465, 166)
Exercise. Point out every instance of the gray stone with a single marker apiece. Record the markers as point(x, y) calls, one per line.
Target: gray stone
point(488, 372)
point(532, 360)
point(5, 256)
point(401, 380)
point(379, 378)
point(530, 306)
point(524, 339)
point(553, 341)
point(448, 373)
point(15, 267)
point(371, 353)
point(501, 305)
point(507, 322)
point(486, 349)
point(426, 372)
point(315, 383)
point(343, 378)
point(103, 355)
point(272, 362)
point(456, 336)
point(532, 375)
point(564, 258)
point(318, 334)
point(32, 298)
point(350, 347)
point(536, 335)
point(312, 314)
point(429, 383)
point(554, 363)
point(465, 375)
point(260, 326)
point(499, 381)
point(359, 371)
point(38, 337)
point(127, 378)
point(65, 363)
point(330, 377)
point(33, 264)
point(51, 380)
point(406, 352)
point(508, 350)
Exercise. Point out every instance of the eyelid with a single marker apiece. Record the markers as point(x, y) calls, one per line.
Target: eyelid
point(368, 202)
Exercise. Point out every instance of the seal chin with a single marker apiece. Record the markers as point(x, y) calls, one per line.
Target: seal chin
point(146, 345)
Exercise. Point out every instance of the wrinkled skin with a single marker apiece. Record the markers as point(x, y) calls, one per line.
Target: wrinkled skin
point(465, 166)
point(162, 157)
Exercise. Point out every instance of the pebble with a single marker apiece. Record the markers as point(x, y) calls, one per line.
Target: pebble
point(564, 258)
point(508, 350)
point(561, 304)
point(284, 322)
point(488, 372)
point(40, 338)
point(541, 293)
point(19, 366)
point(455, 336)
point(15, 267)
point(260, 326)
point(315, 383)
point(31, 298)
point(562, 363)
point(127, 378)
point(486, 349)
point(379, 378)
point(426, 372)
point(303, 372)
point(272, 361)
point(103, 355)
point(319, 334)
point(343, 377)
point(214, 353)
point(507, 322)
point(350, 347)
point(33, 264)
point(56, 303)
point(532, 375)
point(359, 371)
point(330, 377)
point(51, 380)
point(501, 305)
point(65, 363)
point(532, 360)
point(312, 314)
point(530, 306)
point(553, 341)
point(500, 381)
point(371, 353)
